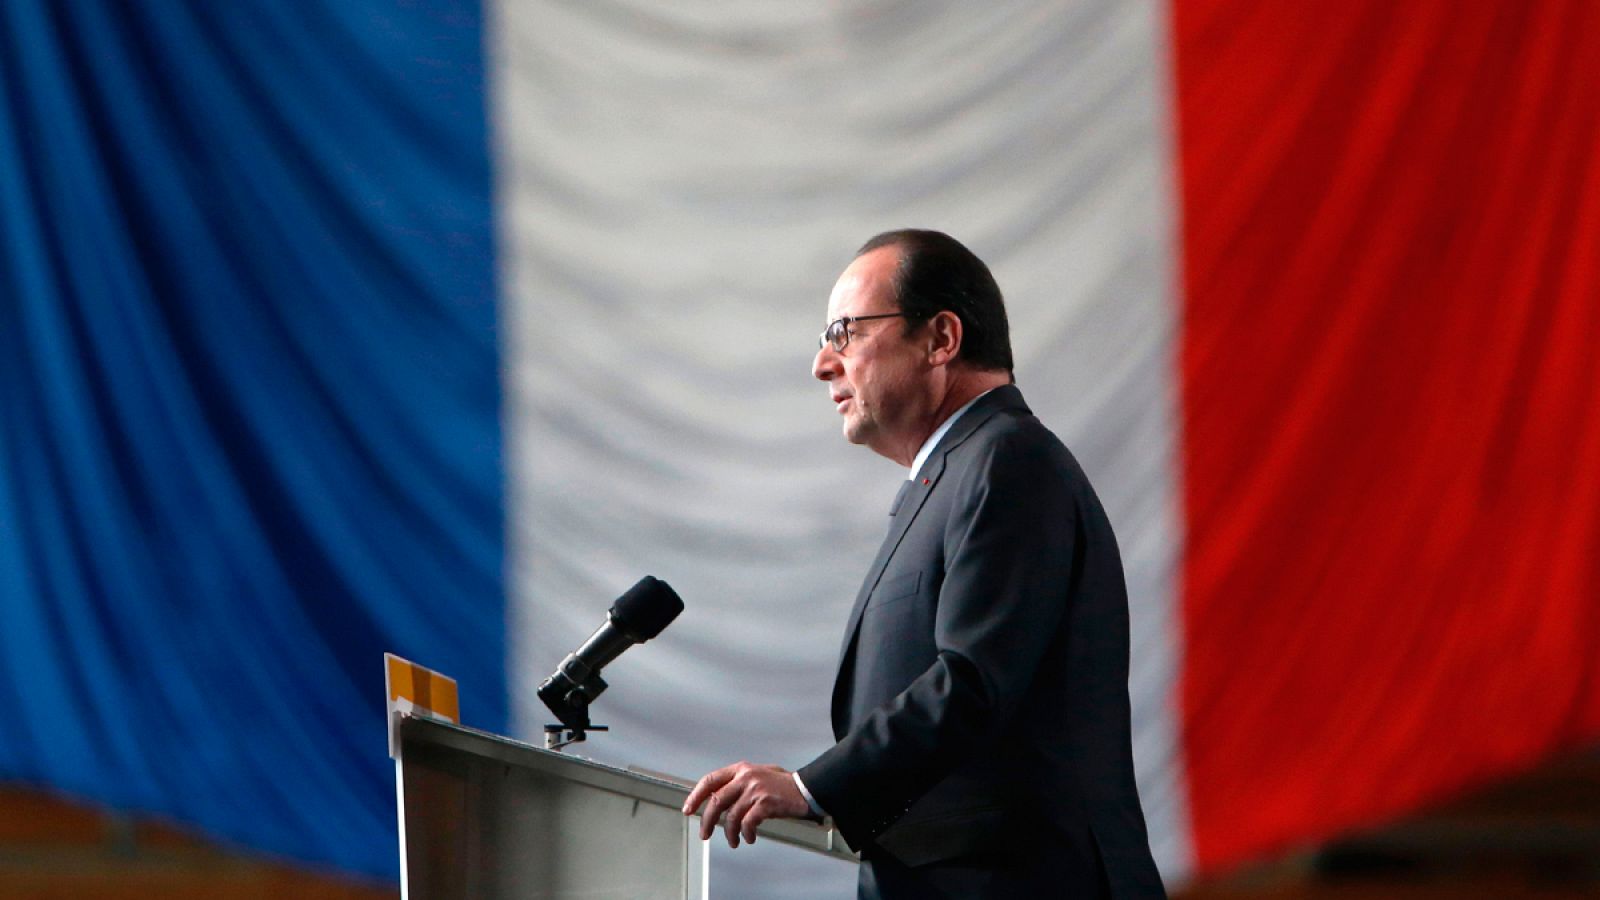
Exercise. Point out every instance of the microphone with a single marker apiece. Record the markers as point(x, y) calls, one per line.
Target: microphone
point(639, 615)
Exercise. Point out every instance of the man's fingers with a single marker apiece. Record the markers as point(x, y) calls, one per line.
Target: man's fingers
point(740, 797)
point(729, 829)
point(709, 816)
point(732, 823)
point(705, 787)
point(751, 821)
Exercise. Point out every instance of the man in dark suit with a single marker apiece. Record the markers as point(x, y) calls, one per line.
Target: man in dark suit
point(981, 702)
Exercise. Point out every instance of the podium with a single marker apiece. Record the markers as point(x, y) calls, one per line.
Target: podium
point(485, 816)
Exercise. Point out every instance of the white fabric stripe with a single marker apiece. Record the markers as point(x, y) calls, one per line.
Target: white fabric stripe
point(679, 186)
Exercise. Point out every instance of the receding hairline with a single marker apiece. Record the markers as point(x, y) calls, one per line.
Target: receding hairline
point(897, 273)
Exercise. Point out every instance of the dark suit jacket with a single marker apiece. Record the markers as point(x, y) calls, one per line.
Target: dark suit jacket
point(982, 692)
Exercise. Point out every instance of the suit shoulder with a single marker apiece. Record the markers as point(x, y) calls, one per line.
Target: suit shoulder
point(1014, 448)
point(1011, 437)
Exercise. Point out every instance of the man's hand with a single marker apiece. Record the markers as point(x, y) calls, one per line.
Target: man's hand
point(745, 795)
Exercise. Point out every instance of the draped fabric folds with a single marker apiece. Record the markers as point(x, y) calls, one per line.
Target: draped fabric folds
point(249, 406)
point(680, 185)
point(1310, 290)
point(1391, 366)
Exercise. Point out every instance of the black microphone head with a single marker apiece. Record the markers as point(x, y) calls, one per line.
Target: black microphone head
point(646, 609)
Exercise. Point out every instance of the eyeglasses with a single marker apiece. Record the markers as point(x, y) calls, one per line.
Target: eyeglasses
point(837, 334)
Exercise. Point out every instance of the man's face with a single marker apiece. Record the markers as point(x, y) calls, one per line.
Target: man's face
point(879, 381)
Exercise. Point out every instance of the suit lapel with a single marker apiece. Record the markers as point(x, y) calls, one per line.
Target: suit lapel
point(907, 504)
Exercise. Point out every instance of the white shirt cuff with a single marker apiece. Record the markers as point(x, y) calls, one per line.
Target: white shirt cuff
point(810, 800)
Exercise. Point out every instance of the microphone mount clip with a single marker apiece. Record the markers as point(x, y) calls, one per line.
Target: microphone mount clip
point(568, 694)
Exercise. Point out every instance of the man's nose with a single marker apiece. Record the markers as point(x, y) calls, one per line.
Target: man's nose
point(825, 367)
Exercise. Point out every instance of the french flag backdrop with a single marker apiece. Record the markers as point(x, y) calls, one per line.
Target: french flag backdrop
point(429, 328)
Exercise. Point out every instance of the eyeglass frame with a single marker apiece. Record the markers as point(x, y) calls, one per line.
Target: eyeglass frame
point(843, 323)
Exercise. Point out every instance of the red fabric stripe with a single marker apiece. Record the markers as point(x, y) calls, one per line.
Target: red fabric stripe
point(1391, 440)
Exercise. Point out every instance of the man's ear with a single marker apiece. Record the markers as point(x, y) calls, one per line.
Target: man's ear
point(944, 338)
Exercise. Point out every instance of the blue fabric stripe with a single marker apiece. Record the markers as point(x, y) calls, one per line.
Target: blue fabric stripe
point(249, 405)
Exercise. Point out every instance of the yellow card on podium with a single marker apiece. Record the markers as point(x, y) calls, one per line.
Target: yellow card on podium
point(417, 691)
